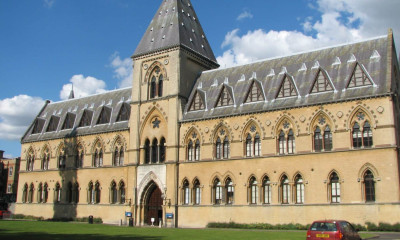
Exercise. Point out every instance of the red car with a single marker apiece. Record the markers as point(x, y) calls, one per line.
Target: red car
point(332, 230)
point(4, 214)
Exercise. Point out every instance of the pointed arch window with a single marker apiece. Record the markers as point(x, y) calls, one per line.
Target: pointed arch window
point(156, 83)
point(113, 192)
point(161, 157)
point(197, 192)
point(197, 103)
point(225, 98)
point(335, 188)
point(31, 191)
point(359, 78)
point(105, 116)
point(154, 150)
point(197, 150)
point(291, 142)
point(230, 191)
point(321, 83)
point(98, 155)
point(69, 121)
point(70, 193)
point(40, 193)
point(367, 135)
point(267, 190)
point(97, 191)
point(30, 161)
point(287, 88)
point(75, 193)
point(317, 140)
point(153, 88)
point(218, 148)
point(222, 145)
point(79, 155)
point(62, 158)
point(86, 119)
point(46, 159)
point(190, 151)
point(160, 85)
point(217, 191)
point(57, 193)
point(91, 193)
point(124, 113)
point(253, 185)
point(45, 193)
point(147, 151)
point(282, 142)
point(285, 190)
point(299, 184)
point(327, 139)
point(118, 156)
point(357, 137)
point(25, 193)
point(369, 186)
point(186, 193)
point(253, 143)
point(249, 146)
point(226, 148)
point(53, 124)
point(121, 193)
point(254, 94)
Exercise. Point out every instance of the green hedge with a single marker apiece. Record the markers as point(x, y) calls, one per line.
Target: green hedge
point(368, 226)
point(29, 217)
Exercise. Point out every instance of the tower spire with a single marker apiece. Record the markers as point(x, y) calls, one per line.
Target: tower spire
point(175, 24)
point(71, 94)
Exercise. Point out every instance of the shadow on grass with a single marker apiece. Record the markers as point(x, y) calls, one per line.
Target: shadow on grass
point(4, 234)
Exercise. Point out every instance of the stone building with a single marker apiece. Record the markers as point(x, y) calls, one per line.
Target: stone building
point(291, 139)
point(9, 172)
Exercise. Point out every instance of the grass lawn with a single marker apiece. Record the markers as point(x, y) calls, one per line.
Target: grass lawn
point(20, 230)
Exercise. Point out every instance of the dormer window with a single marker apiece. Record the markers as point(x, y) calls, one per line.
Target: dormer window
point(124, 113)
point(38, 127)
point(53, 124)
point(359, 78)
point(321, 82)
point(86, 119)
point(69, 121)
point(105, 116)
point(197, 103)
point(254, 94)
point(225, 98)
point(287, 88)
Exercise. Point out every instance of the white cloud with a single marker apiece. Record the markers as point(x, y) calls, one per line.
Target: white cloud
point(123, 70)
point(245, 14)
point(83, 86)
point(16, 114)
point(340, 21)
point(49, 3)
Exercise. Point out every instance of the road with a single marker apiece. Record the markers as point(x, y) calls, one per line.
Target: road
point(391, 236)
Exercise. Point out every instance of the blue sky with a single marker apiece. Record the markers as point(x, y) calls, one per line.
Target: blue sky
point(46, 45)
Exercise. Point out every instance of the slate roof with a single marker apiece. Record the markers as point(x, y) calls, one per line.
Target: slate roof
point(112, 99)
point(175, 24)
point(338, 62)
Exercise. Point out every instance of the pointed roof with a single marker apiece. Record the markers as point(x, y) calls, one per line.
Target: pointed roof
point(175, 24)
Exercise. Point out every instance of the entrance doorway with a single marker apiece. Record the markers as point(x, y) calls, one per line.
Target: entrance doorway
point(153, 207)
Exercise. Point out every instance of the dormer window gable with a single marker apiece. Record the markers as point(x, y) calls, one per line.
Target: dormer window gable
point(124, 112)
point(321, 82)
point(287, 88)
point(225, 98)
point(69, 121)
point(197, 102)
point(359, 77)
point(255, 92)
point(38, 126)
point(53, 124)
point(105, 116)
point(86, 119)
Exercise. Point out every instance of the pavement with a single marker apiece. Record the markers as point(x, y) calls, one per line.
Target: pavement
point(386, 235)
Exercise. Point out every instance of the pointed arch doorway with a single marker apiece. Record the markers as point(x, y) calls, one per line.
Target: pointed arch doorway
point(153, 204)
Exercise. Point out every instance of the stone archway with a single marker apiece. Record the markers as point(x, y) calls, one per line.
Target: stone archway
point(152, 203)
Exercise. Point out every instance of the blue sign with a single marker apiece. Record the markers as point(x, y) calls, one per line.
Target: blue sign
point(169, 215)
point(128, 214)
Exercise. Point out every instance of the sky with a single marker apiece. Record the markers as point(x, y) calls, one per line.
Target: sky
point(48, 45)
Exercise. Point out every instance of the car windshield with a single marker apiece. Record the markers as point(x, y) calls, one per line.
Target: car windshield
point(323, 226)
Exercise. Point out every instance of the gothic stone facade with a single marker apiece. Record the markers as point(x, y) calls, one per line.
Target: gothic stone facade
point(284, 140)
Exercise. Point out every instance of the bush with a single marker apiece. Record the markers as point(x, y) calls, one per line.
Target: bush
point(261, 226)
point(28, 217)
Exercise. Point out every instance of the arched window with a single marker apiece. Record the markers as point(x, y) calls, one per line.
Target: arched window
point(30, 160)
point(79, 156)
point(122, 192)
point(369, 186)
point(40, 193)
point(218, 149)
point(196, 192)
point(113, 193)
point(62, 159)
point(69, 193)
point(161, 157)
point(267, 190)
point(57, 193)
point(249, 146)
point(282, 142)
point(327, 139)
point(291, 142)
point(190, 150)
point(367, 135)
point(75, 193)
point(217, 191)
point(226, 148)
point(317, 140)
point(46, 159)
point(153, 87)
point(98, 155)
point(357, 138)
point(285, 190)
point(116, 157)
point(45, 192)
point(25, 193)
point(156, 83)
point(97, 191)
point(30, 195)
point(121, 156)
point(197, 150)
point(257, 145)
point(91, 193)
point(253, 185)
point(230, 191)
point(299, 189)
point(186, 192)
point(160, 85)
point(154, 151)
point(335, 188)
point(147, 151)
